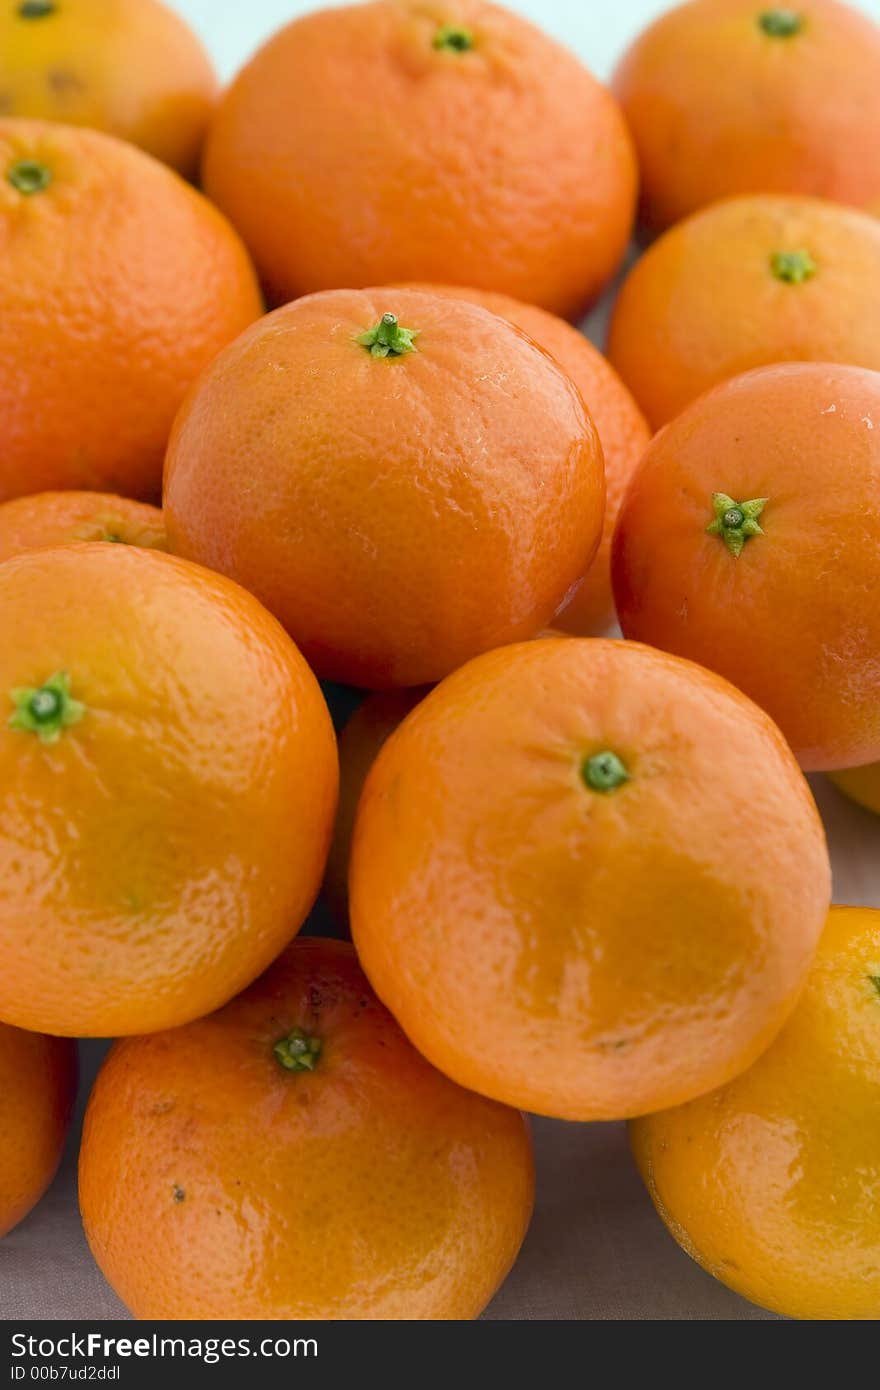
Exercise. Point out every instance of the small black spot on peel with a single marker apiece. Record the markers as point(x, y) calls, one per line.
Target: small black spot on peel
point(37, 9)
point(179, 1194)
point(61, 82)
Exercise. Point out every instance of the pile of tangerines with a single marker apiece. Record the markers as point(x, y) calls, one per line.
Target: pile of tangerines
point(585, 877)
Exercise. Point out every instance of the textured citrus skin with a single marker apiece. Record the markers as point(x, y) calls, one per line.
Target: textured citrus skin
point(371, 1187)
point(718, 107)
point(623, 432)
point(583, 954)
point(37, 1088)
point(120, 283)
point(132, 68)
point(703, 304)
point(793, 619)
point(773, 1183)
point(162, 852)
point(352, 151)
point(359, 743)
point(397, 514)
point(374, 720)
point(861, 784)
point(65, 518)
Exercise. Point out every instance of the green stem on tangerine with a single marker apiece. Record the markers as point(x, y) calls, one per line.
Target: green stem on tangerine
point(793, 267)
point(781, 24)
point(454, 38)
point(388, 339)
point(29, 176)
point(875, 981)
point(47, 709)
point(735, 522)
point(36, 9)
point(298, 1052)
point(604, 772)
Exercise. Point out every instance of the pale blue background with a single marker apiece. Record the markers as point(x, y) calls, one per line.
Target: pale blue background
point(596, 30)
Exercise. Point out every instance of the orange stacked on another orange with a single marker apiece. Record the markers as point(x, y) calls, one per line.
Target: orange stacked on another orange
point(587, 851)
point(746, 283)
point(120, 285)
point(402, 478)
point(749, 541)
point(748, 96)
point(400, 140)
point(623, 432)
point(44, 519)
point(168, 773)
point(771, 1183)
point(131, 68)
point(326, 1133)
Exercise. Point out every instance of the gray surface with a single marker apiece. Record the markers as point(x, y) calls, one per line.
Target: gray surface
point(596, 1248)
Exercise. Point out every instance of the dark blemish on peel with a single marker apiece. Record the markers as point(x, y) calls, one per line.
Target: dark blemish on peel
point(63, 83)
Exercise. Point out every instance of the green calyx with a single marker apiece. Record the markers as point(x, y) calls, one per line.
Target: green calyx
point(28, 176)
point(735, 522)
point(781, 24)
point(604, 772)
point(298, 1052)
point(388, 339)
point(454, 38)
point(36, 9)
point(46, 710)
point(875, 981)
point(793, 267)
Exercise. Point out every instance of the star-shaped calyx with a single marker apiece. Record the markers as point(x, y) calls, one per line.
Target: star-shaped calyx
point(45, 710)
point(736, 522)
point(388, 339)
point(298, 1051)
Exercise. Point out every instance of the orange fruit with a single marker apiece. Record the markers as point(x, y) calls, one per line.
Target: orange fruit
point(119, 284)
point(168, 775)
point(587, 877)
point(773, 1182)
point(404, 480)
point(359, 742)
point(623, 432)
point(405, 140)
point(37, 1088)
point(132, 68)
point(732, 96)
point(744, 284)
point(861, 784)
point(363, 734)
point(749, 541)
point(64, 518)
point(332, 1174)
